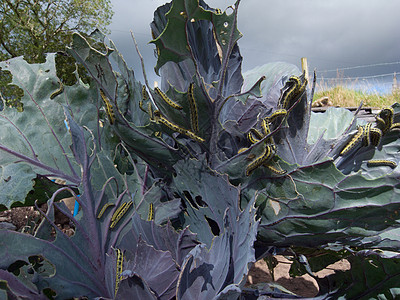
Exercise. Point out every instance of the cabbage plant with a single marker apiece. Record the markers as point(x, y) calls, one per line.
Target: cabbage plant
point(184, 186)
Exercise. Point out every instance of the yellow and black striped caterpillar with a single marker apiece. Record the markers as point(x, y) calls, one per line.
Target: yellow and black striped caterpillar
point(375, 136)
point(395, 126)
point(297, 86)
point(167, 99)
point(274, 170)
point(254, 136)
point(150, 216)
point(357, 138)
point(265, 126)
point(107, 205)
point(159, 118)
point(109, 108)
point(276, 114)
point(367, 132)
point(242, 150)
point(194, 119)
point(289, 93)
point(145, 97)
point(121, 211)
point(267, 154)
point(384, 120)
point(114, 216)
point(120, 263)
point(381, 162)
point(58, 91)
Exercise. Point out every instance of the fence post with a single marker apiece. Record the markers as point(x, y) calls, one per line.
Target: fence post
point(304, 67)
point(395, 86)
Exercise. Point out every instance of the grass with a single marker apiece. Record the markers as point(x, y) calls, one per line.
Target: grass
point(346, 97)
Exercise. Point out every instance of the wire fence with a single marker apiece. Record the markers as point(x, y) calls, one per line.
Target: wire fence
point(369, 82)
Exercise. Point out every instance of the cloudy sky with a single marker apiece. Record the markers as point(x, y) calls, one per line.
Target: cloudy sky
point(335, 34)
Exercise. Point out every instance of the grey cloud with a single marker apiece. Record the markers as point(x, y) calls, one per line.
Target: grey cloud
point(331, 34)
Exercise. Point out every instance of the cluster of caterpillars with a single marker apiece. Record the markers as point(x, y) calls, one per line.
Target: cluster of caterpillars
point(292, 91)
point(255, 136)
point(294, 88)
point(368, 135)
point(158, 117)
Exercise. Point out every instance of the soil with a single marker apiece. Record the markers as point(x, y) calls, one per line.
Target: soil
point(21, 218)
point(304, 286)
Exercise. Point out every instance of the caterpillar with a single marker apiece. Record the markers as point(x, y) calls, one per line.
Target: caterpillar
point(395, 126)
point(218, 11)
point(354, 141)
point(120, 263)
point(242, 150)
point(114, 216)
point(375, 136)
point(387, 114)
point(251, 138)
point(150, 216)
point(167, 100)
point(177, 128)
point(58, 91)
point(381, 162)
point(384, 119)
point(380, 123)
point(109, 108)
point(254, 135)
point(288, 93)
point(265, 127)
point(275, 170)
point(299, 85)
point(276, 114)
point(264, 157)
point(107, 205)
point(367, 132)
point(121, 213)
point(302, 86)
point(194, 119)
